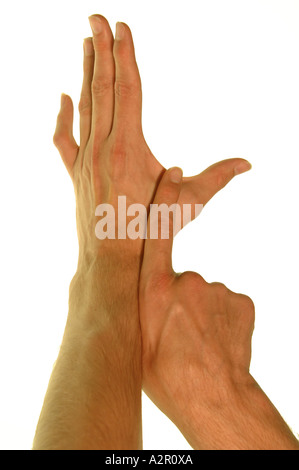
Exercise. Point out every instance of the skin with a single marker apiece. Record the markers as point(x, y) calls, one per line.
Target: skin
point(196, 341)
point(93, 399)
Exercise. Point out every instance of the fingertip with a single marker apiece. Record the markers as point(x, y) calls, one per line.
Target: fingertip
point(242, 167)
point(175, 175)
point(96, 24)
point(63, 136)
point(65, 100)
point(170, 186)
point(120, 30)
point(62, 99)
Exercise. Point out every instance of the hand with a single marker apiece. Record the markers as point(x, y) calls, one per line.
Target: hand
point(113, 158)
point(196, 340)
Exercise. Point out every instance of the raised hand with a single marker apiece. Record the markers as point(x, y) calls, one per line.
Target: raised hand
point(113, 158)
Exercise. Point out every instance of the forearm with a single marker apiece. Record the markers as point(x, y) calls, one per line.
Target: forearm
point(241, 418)
point(94, 396)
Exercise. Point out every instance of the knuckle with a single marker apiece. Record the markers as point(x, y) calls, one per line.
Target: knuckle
point(192, 279)
point(59, 138)
point(84, 106)
point(244, 310)
point(101, 86)
point(248, 306)
point(221, 180)
point(220, 295)
point(220, 289)
point(55, 139)
point(127, 88)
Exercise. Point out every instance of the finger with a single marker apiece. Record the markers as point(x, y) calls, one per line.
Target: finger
point(63, 137)
point(85, 103)
point(103, 77)
point(157, 251)
point(204, 186)
point(128, 94)
point(217, 176)
point(242, 309)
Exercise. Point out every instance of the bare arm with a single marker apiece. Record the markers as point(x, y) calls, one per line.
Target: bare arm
point(94, 395)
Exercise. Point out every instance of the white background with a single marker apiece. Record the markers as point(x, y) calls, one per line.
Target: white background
point(220, 79)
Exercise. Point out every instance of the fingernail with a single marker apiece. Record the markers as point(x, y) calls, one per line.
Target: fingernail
point(119, 31)
point(176, 175)
point(62, 99)
point(96, 24)
point(242, 167)
point(88, 47)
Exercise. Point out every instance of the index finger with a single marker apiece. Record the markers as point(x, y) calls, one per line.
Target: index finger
point(158, 245)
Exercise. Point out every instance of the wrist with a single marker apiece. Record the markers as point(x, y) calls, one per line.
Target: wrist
point(104, 290)
point(237, 416)
point(113, 253)
point(110, 262)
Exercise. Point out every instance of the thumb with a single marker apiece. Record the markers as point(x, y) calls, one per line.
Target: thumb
point(63, 138)
point(201, 188)
point(158, 246)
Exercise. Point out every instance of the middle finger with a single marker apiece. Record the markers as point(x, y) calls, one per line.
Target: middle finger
point(103, 77)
